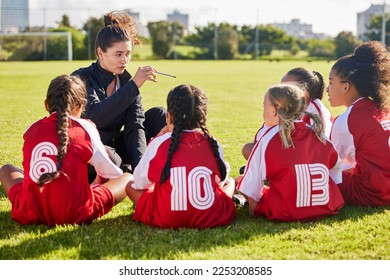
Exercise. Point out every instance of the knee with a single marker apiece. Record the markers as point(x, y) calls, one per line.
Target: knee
point(156, 112)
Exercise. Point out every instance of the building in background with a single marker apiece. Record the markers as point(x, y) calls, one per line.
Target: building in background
point(179, 17)
point(364, 18)
point(142, 30)
point(299, 30)
point(14, 16)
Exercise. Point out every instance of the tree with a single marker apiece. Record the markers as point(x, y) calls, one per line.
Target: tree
point(57, 47)
point(227, 42)
point(345, 42)
point(374, 28)
point(164, 35)
point(217, 42)
point(322, 48)
point(91, 27)
point(203, 38)
point(65, 22)
point(268, 39)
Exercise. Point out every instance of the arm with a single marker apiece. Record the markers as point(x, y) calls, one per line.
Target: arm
point(343, 141)
point(251, 183)
point(102, 109)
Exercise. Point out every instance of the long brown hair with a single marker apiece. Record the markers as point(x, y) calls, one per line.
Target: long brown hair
point(65, 93)
point(368, 69)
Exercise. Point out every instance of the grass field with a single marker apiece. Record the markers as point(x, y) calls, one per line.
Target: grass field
point(235, 90)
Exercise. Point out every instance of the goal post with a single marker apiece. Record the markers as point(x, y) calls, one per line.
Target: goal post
point(44, 35)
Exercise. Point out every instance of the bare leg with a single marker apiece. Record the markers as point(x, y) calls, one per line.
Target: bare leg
point(247, 149)
point(252, 205)
point(132, 193)
point(229, 187)
point(117, 186)
point(9, 176)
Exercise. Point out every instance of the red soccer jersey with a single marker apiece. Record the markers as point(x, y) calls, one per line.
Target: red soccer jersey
point(361, 135)
point(68, 199)
point(302, 179)
point(191, 197)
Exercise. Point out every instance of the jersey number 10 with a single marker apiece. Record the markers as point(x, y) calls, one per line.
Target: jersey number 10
point(197, 187)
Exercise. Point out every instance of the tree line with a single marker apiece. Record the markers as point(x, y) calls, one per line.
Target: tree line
point(222, 41)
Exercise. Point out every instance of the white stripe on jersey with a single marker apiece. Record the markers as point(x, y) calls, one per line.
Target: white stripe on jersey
point(323, 113)
point(101, 162)
point(303, 185)
point(255, 171)
point(312, 177)
point(343, 142)
point(320, 184)
point(385, 124)
point(179, 189)
point(141, 171)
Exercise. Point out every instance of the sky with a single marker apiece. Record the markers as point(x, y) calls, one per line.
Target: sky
point(326, 16)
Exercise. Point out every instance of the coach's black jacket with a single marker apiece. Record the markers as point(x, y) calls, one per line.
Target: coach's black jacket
point(123, 109)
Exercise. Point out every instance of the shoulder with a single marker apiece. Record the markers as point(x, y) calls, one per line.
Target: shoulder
point(37, 125)
point(88, 126)
point(84, 72)
point(158, 140)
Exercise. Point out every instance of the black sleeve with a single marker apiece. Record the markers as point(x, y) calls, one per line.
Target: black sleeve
point(102, 109)
point(134, 132)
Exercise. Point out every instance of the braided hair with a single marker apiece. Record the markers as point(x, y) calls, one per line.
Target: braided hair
point(119, 26)
point(65, 94)
point(289, 102)
point(188, 106)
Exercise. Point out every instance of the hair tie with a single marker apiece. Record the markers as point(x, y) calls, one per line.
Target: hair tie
point(109, 22)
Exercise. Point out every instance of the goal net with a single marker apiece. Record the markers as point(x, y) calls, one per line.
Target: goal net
point(36, 46)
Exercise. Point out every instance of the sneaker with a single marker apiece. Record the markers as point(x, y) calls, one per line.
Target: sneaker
point(127, 168)
point(239, 200)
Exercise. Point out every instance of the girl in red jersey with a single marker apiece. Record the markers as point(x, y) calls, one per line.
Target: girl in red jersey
point(182, 179)
point(313, 85)
point(300, 164)
point(361, 134)
point(54, 188)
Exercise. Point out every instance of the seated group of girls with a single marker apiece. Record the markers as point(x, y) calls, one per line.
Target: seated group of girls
point(302, 165)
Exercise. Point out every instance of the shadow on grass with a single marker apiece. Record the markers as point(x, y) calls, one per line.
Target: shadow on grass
point(122, 238)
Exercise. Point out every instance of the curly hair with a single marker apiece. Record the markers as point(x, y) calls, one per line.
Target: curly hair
point(368, 69)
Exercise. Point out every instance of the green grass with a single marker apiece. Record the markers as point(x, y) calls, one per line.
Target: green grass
point(235, 90)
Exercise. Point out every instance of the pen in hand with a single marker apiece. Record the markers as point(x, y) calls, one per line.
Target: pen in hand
point(165, 74)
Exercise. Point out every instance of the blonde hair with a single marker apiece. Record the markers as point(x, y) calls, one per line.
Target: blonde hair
point(289, 102)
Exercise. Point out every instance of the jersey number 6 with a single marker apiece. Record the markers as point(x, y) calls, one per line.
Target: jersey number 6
point(40, 163)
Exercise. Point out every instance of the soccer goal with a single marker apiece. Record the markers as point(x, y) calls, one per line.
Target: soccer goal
point(43, 35)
